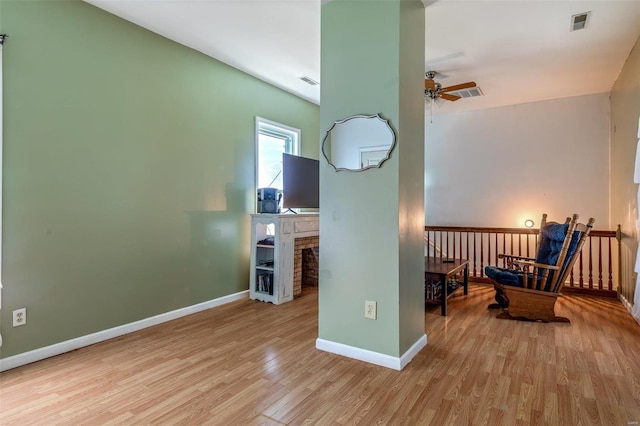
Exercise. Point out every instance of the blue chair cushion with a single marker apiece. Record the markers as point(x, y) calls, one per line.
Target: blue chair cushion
point(553, 235)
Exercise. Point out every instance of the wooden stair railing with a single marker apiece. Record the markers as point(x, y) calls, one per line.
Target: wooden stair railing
point(596, 272)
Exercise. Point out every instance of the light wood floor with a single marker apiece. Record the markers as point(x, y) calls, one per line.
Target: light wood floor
point(255, 363)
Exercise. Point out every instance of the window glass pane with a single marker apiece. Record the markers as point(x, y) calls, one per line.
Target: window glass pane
point(273, 139)
point(270, 150)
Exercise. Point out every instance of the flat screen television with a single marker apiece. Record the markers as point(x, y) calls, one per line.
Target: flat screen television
point(300, 182)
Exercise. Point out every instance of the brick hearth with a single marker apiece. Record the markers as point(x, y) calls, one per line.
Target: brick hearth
point(305, 261)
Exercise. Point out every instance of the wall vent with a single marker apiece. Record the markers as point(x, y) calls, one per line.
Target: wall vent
point(579, 21)
point(309, 80)
point(467, 93)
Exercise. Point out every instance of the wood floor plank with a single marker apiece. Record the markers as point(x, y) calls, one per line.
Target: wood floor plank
point(255, 363)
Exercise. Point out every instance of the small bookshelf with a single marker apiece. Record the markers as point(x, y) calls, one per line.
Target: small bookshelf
point(264, 274)
point(273, 239)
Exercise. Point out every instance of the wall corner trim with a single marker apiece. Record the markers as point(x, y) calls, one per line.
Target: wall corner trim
point(383, 360)
point(100, 336)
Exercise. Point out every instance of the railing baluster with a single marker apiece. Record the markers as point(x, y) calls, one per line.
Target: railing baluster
point(467, 256)
point(482, 254)
point(610, 280)
point(590, 265)
point(519, 245)
point(453, 245)
point(474, 255)
point(446, 242)
point(581, 278)
point(599, 263)
point(504, 248)
point(511, 246)
point(448, 248)
point(488, 250)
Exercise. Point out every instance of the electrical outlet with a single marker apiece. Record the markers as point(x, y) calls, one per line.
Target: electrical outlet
point(370, 309)
point(19, 317)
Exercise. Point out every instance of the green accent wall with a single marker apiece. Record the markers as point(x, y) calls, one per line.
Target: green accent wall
point(128, 171)
point(372, 222)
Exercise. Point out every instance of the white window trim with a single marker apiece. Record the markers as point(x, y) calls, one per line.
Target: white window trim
point(263, 124)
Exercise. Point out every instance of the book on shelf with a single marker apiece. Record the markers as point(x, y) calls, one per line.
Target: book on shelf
point(264, 283)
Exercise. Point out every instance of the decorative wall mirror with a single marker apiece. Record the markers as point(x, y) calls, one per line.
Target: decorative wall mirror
point(359, 142)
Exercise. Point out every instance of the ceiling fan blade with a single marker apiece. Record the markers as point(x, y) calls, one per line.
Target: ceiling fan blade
point(429, 84)
point(449, 97)
point(467, 85)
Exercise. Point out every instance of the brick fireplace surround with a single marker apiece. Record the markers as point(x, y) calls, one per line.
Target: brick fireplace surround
point(305, 261)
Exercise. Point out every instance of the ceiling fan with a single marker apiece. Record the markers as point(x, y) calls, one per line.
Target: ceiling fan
point(433, 90)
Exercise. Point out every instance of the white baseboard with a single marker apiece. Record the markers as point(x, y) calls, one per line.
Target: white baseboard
point(100, 336)
point(396, 363)
point(629, 307)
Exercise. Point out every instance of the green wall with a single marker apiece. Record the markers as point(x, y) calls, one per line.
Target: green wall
point(128, 171)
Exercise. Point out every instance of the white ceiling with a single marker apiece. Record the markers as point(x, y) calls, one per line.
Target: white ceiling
point(517, 51)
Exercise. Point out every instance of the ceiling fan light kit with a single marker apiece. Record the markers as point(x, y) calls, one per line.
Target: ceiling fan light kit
point(434, 91)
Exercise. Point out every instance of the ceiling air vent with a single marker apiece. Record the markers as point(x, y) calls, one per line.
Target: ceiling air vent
point(579, 21)
point(309, 81)
point(467, 93)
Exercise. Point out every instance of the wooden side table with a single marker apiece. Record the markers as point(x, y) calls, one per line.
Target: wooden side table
point(443, 269)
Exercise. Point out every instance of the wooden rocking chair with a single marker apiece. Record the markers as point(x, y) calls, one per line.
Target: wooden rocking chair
point(528, 288)
point(513, 265)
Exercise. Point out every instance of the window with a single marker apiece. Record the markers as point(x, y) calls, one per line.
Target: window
point(272, 140)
